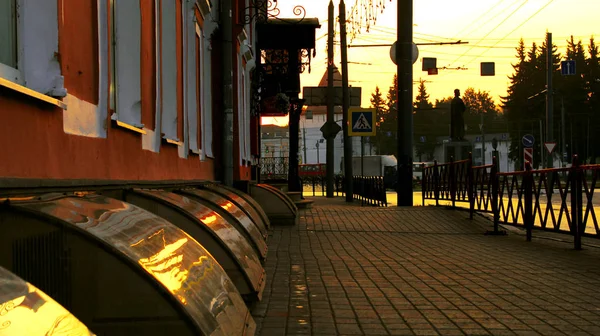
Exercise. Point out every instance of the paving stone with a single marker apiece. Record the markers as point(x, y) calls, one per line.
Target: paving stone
point(362, 270)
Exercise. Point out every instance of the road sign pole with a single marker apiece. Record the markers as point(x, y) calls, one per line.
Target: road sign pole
point(362, 156)
point(329, 153)
point(404, 96)
point(346, 105)
point(549, 96)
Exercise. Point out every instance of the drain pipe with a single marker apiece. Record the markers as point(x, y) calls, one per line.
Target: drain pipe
point(227, 43)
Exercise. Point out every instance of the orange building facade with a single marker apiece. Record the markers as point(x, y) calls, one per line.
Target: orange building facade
point(122, 90)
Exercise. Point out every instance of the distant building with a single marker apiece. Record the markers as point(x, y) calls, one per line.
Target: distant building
point(313, 145)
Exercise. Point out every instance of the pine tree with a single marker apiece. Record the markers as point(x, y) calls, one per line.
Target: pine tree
point(380, 106)
point(389, 123)
point(592, 78)
point(524, 106)
point(516, 98)
point(424, 138)
point(573, 92)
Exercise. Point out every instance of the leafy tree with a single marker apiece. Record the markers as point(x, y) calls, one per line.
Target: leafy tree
point(479, 103)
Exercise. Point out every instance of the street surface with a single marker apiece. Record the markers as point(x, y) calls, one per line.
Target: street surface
point(351, 270)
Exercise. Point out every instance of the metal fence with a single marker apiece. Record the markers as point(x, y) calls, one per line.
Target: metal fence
point(370, 190)
point(558, 200)
point(274, 167)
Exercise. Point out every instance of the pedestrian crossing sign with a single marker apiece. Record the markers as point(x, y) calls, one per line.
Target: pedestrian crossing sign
point(362, 122)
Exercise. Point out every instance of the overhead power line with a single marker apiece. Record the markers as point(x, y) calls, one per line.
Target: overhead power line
point(493, 29)
point(479, 18)
point(520, 25)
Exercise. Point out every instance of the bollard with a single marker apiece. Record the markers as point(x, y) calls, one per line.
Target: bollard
point(528, 200)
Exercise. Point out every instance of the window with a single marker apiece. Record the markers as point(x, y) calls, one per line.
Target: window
point(169, 70)
point(126, 97)
point(198, 109)
point(29, 45)
point(8, 33)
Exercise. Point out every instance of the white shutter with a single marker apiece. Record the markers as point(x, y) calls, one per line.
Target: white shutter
point(128, 96)
point(169, 70)
point(195, 77)
point(207, 132)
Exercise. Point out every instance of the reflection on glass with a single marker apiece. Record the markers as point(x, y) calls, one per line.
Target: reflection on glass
point(257, 237)
point(25, 310)
point(164, 251)
point(228, 234)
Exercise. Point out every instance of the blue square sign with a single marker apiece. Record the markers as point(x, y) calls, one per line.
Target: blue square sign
point(568, 68)
point(362, 122)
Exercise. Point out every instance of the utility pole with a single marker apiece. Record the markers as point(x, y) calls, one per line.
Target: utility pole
point(405, 105)
point(549, 96)
point(482, 140)
point(329, 150)
point(346, 104)
point(563, 131)
point(318, 152)
point(226, 40)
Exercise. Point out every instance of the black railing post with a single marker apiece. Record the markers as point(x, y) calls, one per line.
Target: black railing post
point(452, 181)
point(424, 184)
point(494, 185)
point(436, 183)
point(576, 202)
point(528, 199)
point(470, 187)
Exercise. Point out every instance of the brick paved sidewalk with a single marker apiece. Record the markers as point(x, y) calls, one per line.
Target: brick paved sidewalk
point(423, 271)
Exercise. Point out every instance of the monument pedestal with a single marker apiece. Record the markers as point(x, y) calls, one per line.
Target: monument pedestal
point(459, 150)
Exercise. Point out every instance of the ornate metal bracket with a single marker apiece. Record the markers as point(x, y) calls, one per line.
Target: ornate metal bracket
point(261, 11)
point(364, 15)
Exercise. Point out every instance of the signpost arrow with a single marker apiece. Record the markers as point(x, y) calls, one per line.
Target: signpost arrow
point(528, 140)
point(568, 68)
point(550, 146)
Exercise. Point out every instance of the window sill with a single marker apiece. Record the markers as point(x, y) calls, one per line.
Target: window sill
point(173, 142)
point(31, 93)
point(129, 127)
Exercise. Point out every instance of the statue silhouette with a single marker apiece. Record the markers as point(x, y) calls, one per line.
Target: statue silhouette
point(457, 119)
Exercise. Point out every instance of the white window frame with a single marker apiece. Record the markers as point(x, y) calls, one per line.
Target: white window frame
point(126, 77)
point(38, 72)
point(169, 122)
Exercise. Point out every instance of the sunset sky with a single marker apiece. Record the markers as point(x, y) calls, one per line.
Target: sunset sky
point(492, 28)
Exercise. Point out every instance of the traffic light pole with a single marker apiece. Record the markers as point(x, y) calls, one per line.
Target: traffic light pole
point(405, 104)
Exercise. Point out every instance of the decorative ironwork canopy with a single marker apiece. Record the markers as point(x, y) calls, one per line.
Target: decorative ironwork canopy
point(286, 48)
point(261, 11)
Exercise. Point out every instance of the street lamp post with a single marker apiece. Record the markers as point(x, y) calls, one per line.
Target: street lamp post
point(405, 96)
